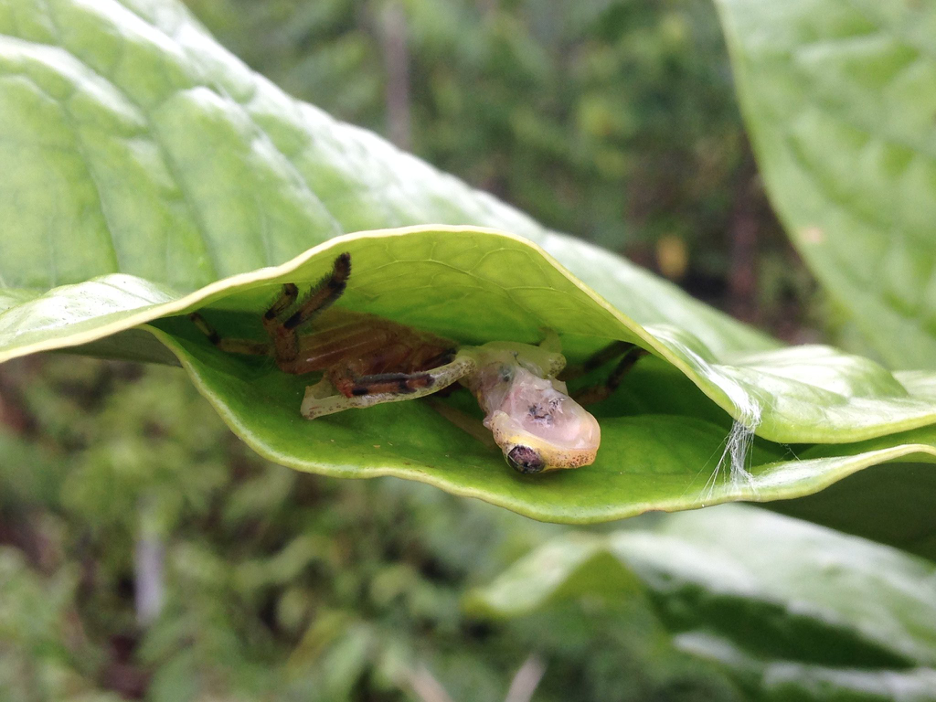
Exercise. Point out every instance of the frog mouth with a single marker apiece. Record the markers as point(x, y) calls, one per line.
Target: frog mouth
point(540, 428)
point(535, 423)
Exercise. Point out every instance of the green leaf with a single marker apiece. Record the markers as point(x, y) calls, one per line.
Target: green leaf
point(136, 145)
point(790, 607)
point(146, 163)
point(840, 99)
point(892, 504)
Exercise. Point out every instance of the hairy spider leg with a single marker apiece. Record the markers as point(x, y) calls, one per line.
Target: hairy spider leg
point(383, 383)
point(242, 346)
point(280, 306)
point(283, 320)
point(351, 380)
point(615, 349)
point(280, 322)
point(629, 353)
point(624, 366)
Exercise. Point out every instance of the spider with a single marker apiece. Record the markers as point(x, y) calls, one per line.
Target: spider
point(367, 360)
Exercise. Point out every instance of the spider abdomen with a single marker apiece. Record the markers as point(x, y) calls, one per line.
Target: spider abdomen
point(354, 347)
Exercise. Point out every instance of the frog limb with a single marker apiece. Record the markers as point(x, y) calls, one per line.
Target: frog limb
point(551, 342)
point(324, 398)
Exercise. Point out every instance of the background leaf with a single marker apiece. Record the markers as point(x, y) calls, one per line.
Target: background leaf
point(791, 608)
point(839, 99)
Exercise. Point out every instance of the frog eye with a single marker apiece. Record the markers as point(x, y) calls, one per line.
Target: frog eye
point(525, 459)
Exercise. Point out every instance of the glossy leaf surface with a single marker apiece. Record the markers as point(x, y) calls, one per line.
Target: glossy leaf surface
point(136, 145)
point(792, 608)
point(839, 98)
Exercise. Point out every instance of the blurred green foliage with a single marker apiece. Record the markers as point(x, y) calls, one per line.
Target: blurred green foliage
point(278, 585)
point(614, 120)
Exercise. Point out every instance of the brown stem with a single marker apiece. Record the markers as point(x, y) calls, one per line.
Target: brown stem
point(396, 56)
point(742, 273)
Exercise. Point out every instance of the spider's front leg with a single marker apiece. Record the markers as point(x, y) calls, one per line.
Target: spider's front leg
point(281, 321)
point(285, 317)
